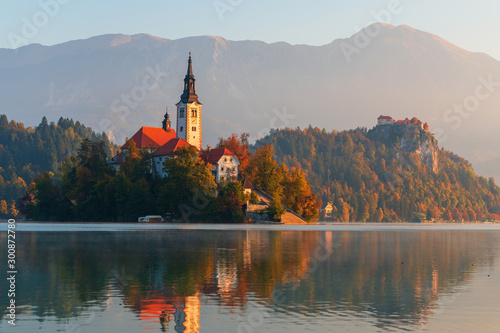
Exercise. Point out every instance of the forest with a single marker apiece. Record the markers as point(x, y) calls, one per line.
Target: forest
point(27, 152)
point(368, 175)
point(60, 172)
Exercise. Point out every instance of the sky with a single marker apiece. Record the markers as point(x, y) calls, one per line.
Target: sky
point(472, 25)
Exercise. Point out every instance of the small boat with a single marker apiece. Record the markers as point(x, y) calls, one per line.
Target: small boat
point(151, 219)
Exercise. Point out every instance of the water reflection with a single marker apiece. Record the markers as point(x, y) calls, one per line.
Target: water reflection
point(171, 280)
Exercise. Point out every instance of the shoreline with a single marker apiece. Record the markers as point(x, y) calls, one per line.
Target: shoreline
point(124, 227)
point(20, 221)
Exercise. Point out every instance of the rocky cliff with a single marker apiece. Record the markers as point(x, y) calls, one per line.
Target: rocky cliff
point(408, 138)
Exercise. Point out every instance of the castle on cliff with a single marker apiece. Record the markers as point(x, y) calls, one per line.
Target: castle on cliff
point(386, 120)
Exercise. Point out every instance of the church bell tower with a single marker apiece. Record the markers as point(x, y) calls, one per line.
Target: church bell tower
point(189, 111)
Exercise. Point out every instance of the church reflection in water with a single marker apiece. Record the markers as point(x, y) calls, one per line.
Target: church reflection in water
point(160, 311)
point(167, 279)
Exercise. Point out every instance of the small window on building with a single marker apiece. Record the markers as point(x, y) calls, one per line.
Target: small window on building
point(181, 113)
point(194, 113)
point(193, 129)
point(181, 129)
point(222, 169)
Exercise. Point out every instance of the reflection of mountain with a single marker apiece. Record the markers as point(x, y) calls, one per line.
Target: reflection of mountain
point(166, 278)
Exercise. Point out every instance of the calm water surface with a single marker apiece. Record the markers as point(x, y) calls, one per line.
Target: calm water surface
point(131, 278)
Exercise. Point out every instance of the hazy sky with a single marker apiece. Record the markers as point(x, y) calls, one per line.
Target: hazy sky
point(473, 25)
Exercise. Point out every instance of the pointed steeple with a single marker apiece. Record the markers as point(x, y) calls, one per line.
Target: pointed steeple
point(190, 67)
point(189, 94)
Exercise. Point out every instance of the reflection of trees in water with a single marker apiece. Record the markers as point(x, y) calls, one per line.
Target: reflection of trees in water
point(58, 274)
point(393, 276)
point(162, 275)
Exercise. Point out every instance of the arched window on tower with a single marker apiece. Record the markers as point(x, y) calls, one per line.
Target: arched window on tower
point(181, 113)
point(194, 113)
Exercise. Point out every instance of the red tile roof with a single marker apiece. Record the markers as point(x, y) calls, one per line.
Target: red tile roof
point(213, 156)
point(170, 147)
point(151, 137)
point(385, 117)
point(156, 308)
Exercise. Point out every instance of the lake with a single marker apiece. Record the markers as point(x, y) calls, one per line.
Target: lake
point(231, 278)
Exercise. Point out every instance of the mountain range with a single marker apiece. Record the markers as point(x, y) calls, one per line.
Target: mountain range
point(117, 83)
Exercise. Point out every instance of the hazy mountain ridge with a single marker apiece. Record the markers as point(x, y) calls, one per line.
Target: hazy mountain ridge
point(252, 86)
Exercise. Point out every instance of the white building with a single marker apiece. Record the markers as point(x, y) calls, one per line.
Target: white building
point(385, 120)
point(224, 164)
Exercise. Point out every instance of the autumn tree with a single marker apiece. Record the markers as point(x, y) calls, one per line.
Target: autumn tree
point(343, 210)
point(379, 215)
point(137, 163)
point(433, 213)
point(12, 209)
point(471, 214)
point(447, 216)
point(456, 214)
point(4, 209)
point(264, 172)
point(297, 194)
point(479, 215)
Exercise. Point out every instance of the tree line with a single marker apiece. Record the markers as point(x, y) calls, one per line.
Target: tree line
point(26, 152)
point(370, 178)
point(366, 178)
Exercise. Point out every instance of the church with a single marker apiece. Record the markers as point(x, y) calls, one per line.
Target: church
point(163, 141)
